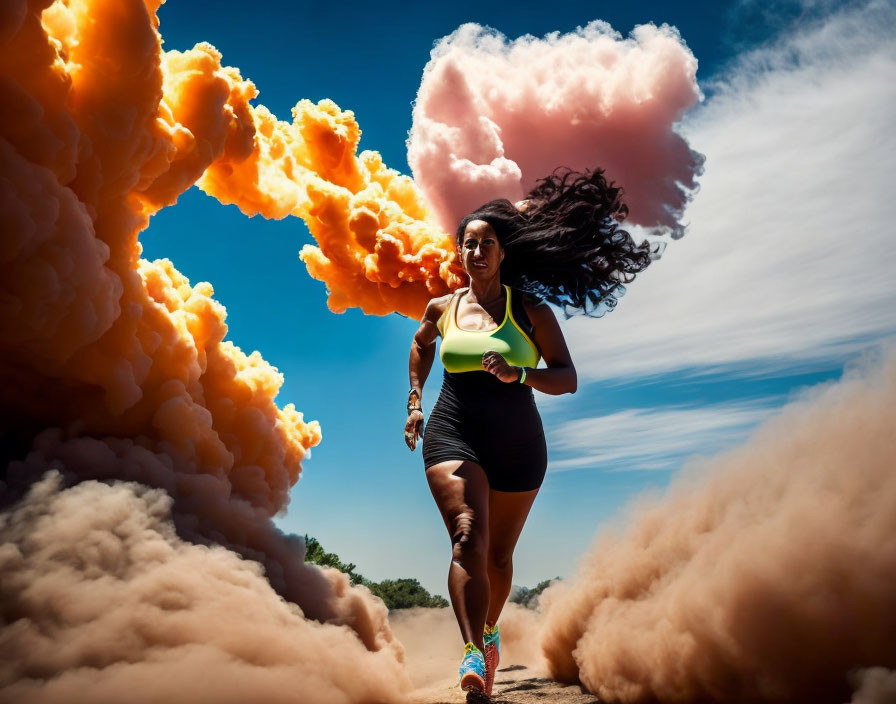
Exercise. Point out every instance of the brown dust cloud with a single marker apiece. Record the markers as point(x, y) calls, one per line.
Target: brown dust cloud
point(145, 457)
point(765, 574)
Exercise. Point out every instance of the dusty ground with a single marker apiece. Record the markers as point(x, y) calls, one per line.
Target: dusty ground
point(433, 650)
point(515, 684)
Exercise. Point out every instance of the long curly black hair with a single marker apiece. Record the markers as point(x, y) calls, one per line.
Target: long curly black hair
point(567, 247)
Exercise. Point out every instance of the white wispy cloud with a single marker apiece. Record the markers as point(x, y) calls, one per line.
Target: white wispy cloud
point(654, 438)
point(789, 258)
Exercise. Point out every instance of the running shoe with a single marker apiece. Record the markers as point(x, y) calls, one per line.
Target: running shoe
point(472, 669)
point(492, 654)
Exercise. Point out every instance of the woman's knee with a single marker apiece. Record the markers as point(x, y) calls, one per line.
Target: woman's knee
point(468, 537)
point(500, 560)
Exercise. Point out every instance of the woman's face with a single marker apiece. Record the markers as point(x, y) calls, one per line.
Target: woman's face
point(481, 253)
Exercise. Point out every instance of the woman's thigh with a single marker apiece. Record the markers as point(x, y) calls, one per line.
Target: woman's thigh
point(461, 491)
point(507, 513)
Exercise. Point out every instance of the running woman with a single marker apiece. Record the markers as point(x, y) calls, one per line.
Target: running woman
point(484, 450)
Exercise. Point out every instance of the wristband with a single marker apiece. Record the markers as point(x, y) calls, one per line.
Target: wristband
point(417, 394)
point(522, 374)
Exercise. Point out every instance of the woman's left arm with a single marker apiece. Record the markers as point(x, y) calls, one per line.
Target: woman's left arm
point(560, 375)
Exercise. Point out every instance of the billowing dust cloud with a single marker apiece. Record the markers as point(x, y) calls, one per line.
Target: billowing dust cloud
point(112, 606)
point(493, 115)
point(765, 574)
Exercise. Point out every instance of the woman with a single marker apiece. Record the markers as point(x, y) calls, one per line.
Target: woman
point(484, 447)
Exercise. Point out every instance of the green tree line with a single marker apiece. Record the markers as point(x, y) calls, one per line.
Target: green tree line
point(524, 596)
point(406, 593)
point(396, 593)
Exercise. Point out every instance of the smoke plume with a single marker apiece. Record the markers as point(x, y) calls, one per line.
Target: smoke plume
point(115, 369)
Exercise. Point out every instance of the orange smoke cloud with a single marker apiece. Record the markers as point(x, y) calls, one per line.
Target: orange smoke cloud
point(493, 115)
point(114, 368)
point(765, 574)
point(378, 248)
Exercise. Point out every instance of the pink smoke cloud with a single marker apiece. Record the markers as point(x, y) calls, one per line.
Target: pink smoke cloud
point(492, 116)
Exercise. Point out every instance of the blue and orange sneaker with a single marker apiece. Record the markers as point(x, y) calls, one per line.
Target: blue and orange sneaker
point(472, 669)
point(492, 655)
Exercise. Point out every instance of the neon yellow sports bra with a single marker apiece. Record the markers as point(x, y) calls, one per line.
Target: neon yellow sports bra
point(462, 350)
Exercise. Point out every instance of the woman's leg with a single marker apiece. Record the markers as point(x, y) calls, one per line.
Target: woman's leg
point(461, 491)
point(507, 512)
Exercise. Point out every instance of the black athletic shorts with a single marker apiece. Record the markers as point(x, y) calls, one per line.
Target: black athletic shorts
point(480, 418)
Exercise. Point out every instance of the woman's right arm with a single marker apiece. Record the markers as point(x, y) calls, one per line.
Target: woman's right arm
point(423, 351)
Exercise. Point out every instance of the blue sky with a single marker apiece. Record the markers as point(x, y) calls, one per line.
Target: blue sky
point(745, 312)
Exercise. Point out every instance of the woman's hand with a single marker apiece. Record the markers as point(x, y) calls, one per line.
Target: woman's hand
point(413, 429)
point(497, 365)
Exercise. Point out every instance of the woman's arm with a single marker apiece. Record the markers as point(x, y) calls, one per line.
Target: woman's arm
point(560, 375)
point(423, 351)
point(423, 346)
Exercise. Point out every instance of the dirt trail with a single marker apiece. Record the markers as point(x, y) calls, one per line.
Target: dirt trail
point(515, 684)
point(433, 651)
